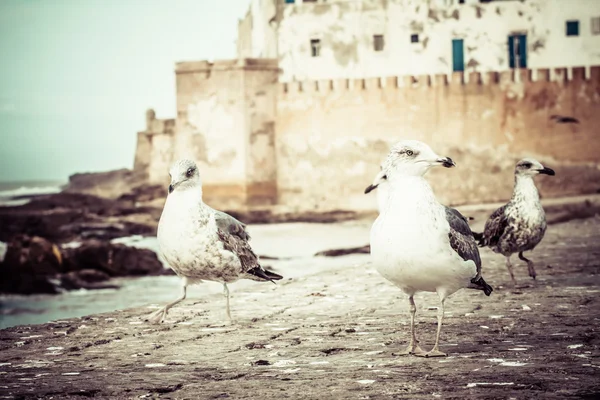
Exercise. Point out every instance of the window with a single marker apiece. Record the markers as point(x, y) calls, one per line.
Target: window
point(290, 1)
point(315, 47)
point(461, 1)
point(414, 38)
point(572, 28)
point(378, 42)
point(595, 25)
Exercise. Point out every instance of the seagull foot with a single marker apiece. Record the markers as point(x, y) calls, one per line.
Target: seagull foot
point(157, 317)
point(432, 353)
point(414, 350)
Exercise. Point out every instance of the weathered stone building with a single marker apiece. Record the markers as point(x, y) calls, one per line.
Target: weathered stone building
point(320, 89)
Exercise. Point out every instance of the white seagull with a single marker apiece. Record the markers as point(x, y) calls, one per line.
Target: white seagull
point(419, 244)
point(520, 224)
point(200, 243)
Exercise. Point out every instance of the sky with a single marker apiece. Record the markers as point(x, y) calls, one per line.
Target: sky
point(77, 76)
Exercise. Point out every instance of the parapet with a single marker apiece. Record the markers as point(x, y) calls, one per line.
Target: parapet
point(454, 79)
point(187, 67)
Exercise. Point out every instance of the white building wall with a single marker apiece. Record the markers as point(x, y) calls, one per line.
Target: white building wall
point(346, 29)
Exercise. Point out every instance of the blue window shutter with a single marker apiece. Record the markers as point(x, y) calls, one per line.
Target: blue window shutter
point(458, 56)
point(511, 52)
point(523, 51)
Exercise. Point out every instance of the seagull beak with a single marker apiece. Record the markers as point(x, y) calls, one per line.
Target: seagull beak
point(171, 188)
point(446, 162)
point(378, 179)
point(547, 171)
point(370, 188)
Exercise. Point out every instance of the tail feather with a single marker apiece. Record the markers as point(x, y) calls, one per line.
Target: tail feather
point(267, 275)
point(480, 284)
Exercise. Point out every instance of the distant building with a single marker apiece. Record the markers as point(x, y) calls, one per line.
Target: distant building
point(328, 39)
point(305, 114)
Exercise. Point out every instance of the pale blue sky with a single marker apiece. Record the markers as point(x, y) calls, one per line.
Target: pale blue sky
point(76, 76)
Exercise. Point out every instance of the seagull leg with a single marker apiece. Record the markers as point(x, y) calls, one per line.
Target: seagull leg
point(413, 345)
point(159, 316)
point(510, 270)
point(226, 293)
point(530, 266)
point(435, 352)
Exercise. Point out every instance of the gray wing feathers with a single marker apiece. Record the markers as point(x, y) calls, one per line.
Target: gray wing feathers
point(231, 225)
point(241, 248)
point(461, 238)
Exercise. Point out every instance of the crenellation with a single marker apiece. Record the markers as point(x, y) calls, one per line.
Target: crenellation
point(457, 78)
point(490, 78)
point(372, 83)
point(340, 84)
point(440, 80)
point(390, 82)
point(595, 74)
point(475, 79)
point(542, 75)
point(522, 75)
point(560, 75)
point(283, 88)
point(578, 74)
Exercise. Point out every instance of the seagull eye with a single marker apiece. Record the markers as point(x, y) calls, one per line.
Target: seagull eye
point(409, 152)
point(189, 172)
point(526, 165)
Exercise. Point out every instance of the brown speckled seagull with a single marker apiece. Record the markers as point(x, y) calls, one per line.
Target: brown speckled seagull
point(520, 224)
point(200, 243)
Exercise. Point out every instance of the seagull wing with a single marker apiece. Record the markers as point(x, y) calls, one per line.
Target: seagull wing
point(231, 225)
point(494, 227)
point(461, 237)
point(232, 233)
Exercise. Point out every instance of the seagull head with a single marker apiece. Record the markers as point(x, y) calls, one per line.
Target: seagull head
point(184, 175)
point(531, 167)
point(412, 158)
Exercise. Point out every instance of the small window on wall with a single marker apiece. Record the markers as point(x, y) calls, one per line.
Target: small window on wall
point(414, 38)
point(378, 42)
point(572, 28)
point(315, 47)
point(290, 1)
point(595, 25)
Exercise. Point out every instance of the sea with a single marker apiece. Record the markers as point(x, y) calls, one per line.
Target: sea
point(290, 249)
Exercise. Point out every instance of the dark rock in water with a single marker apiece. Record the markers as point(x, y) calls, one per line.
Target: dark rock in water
point(69, 216)
point(28, 264)
point(85, 279)
point(114, 259)
point(36, 265)
point(343, 252)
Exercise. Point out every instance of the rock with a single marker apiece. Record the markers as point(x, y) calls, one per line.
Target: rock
point(35, 265)
point(343, 252)
point(85, 279)
point(28, 265)
point(114, 259)
point(69, 216)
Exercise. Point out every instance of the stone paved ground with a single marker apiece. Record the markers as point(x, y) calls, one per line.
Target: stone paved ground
point(333, 335)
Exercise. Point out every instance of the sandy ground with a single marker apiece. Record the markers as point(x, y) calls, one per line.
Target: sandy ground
point(331, 332)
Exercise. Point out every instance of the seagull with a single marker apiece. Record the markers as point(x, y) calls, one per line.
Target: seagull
point(200, 243)
point(520, 224)
point(419, 244)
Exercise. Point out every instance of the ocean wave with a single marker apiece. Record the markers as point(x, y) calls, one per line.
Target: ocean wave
point(28, 191)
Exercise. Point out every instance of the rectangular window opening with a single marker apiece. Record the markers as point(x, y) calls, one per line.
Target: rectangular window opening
point(595, 25)
point(290, 1)
point(378, 42)
point(315, 47)
point(572, 28)
point(414, 38)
